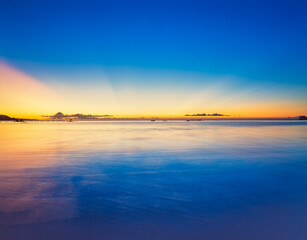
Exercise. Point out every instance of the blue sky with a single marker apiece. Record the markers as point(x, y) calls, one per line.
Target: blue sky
point(258, 42)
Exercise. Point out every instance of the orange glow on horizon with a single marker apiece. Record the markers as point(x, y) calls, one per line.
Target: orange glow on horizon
point(26, 97)
point(22, 95)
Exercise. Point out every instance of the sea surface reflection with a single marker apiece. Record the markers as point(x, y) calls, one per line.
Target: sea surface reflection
point(153, 180)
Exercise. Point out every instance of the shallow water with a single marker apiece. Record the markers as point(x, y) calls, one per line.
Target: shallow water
point(153, 180)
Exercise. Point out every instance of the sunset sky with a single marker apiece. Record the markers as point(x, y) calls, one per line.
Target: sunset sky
point(153, 58)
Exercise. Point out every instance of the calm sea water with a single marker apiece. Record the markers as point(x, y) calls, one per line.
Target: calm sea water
point(154, 180)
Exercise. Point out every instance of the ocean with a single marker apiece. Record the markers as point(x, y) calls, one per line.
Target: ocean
point(142, 180)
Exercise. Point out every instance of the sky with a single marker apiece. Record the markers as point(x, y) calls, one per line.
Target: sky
point(153, 58)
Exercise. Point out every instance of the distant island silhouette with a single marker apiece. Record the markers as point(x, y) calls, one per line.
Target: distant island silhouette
point(7, 118)
point(205, 115)
point(79, 116)
point(59, 116)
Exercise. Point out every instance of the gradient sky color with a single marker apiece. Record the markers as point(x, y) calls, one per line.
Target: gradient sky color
point(241, 58)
